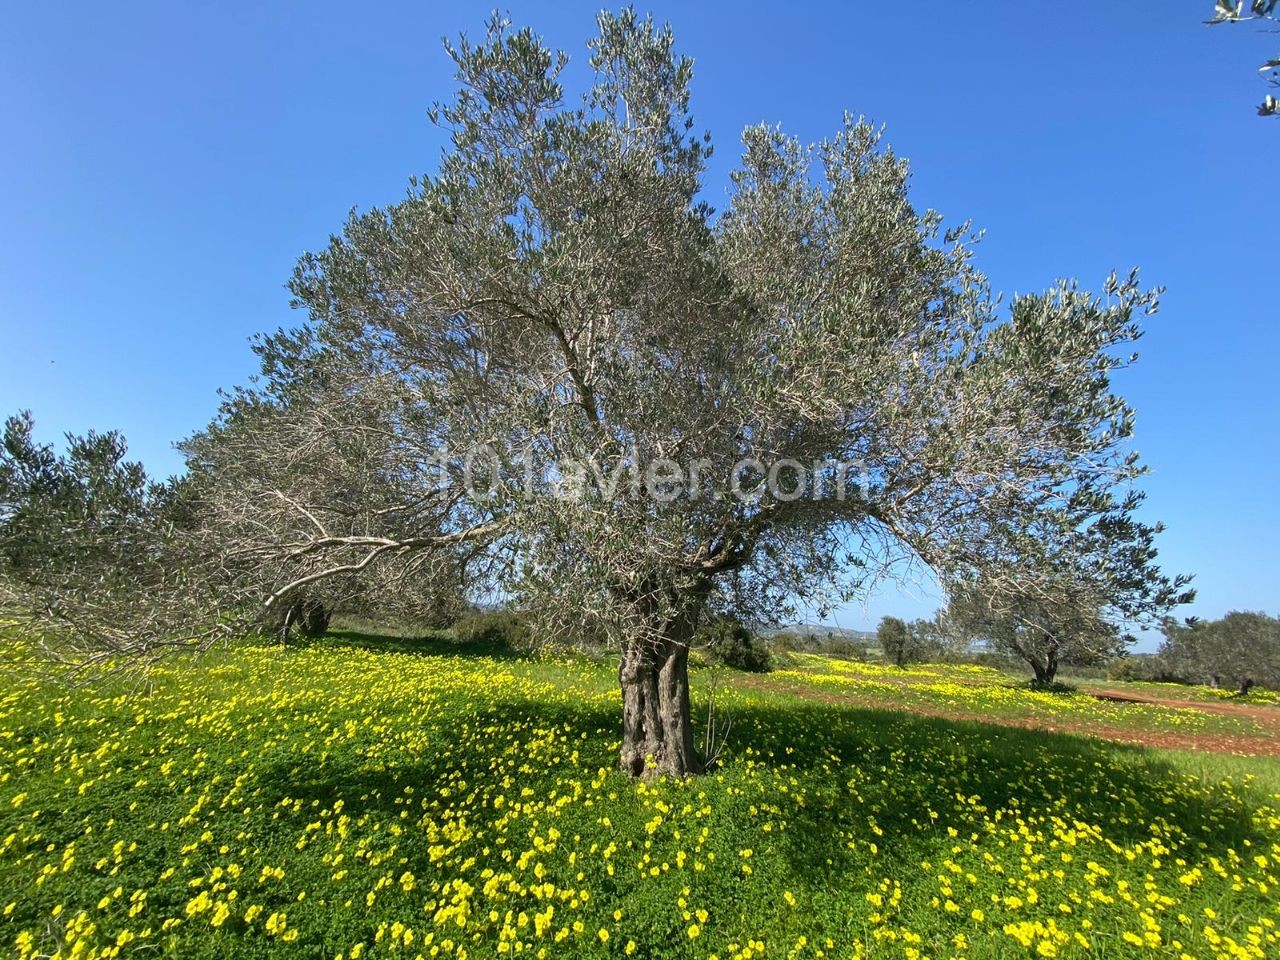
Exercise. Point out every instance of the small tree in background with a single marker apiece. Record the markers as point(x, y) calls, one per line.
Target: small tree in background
point(941, 639)
point(896, 642)
point(1096, 578)
point(1043, 635)
point(1242, 648)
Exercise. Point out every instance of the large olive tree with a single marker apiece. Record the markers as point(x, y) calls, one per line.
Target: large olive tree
point(558, 367)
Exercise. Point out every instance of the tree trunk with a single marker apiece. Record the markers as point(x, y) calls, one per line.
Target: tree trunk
point(1051, 667)
point(1045, 670)
point(1045, 667)
point(312, 618)
point(657, 730)
point(307, 615)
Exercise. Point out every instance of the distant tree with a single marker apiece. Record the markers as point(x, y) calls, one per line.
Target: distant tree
point(731, 643)
point(1242, 648)
point(896, 641)
point(1097, 577)
point(940, 638)
point(1040, 634)
point(1258, 11)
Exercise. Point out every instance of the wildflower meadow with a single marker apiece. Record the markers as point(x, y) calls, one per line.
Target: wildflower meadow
point(345, 802)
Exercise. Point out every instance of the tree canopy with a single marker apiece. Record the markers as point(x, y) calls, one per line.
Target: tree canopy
point(896, 641)
point(95, 562)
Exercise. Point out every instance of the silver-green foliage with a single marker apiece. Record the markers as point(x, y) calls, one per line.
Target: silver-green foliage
point(1258, 11)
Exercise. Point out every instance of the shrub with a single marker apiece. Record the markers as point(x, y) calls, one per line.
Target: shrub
point(501, 629)
point(728, 642)
point(1147, 667)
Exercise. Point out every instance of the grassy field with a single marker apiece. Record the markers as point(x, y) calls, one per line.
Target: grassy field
point(1145, 713)
point(339, 801)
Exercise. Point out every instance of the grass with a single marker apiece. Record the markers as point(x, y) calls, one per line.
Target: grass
point(974, 691)
point(360, 797)
point(1182, 691)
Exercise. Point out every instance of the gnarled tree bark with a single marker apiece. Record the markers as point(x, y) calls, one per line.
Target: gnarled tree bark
point(657, 729)
point(1046, 669)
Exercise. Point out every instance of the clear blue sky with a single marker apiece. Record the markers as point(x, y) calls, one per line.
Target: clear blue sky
point(165, 164)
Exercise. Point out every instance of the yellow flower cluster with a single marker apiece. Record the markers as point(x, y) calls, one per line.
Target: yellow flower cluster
point(965, 690)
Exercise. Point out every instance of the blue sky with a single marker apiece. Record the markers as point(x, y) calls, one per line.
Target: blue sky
point(165, 165)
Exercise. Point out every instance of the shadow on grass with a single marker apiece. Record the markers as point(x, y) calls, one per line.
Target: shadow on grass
point(913, 776)
point(903, 768)
point(440, 643)
point(855, 764)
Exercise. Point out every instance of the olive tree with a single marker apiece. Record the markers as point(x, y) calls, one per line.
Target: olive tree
point(897, 643)
point(1243, 648)
point(941, 638)
point(556, 367)
point(1095, 579)
point(297, 470)
point(96, 560)
point(1043, 634)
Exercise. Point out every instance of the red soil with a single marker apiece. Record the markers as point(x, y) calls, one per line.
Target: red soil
point(1261, 744)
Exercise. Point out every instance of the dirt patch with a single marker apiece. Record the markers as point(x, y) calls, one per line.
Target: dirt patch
point(1267, 744)
point(1267, 716)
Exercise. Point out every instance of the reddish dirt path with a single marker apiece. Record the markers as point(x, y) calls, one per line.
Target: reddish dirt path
point(1265, 744)
point(1267, 716)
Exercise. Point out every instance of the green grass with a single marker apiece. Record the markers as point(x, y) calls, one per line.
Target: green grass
point(1182, 691)
point(974, 691)
point(345, 799)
